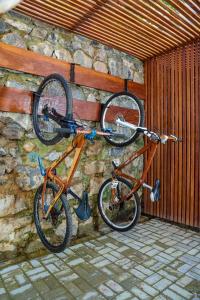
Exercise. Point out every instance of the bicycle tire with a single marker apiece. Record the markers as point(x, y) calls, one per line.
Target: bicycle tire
point(105, 113)
point(68, 217)
point(67, 110)
point(137, 202)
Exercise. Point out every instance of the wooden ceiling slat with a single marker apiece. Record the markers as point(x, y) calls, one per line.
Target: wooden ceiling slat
point(76, 7)
point(51, 7)
point(154, 18)
point(108, 17)
point(129, 35)
point(127, 38)
point(97, 6)
point(126, 17)
point(184, 11)
point(187, 13)
point(194, 5)
point(48, 12)
point(109, 43)
point(104, 37)
point(115, 36)
point(109, 20)
point(41, 16)
point(122, 33)
point(104, 41)
point(144, 31)
point(64, 23)
point(165, 10)
point(188, 5)
point(143, 28)
point(106, 34)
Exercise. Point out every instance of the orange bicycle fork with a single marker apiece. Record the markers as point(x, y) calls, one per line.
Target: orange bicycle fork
point(77, 146)
point(152, 147)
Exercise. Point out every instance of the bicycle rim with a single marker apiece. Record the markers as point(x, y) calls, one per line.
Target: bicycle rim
point(55, 230)
point(118, 214)
point(124, 107)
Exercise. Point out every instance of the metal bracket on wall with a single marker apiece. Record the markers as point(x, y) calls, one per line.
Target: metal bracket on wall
point(72, 73)
point(126, 85)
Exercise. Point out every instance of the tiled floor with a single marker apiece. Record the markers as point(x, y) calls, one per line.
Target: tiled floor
point(155, 260)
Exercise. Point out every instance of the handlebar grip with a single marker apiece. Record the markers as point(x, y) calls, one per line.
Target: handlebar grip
point(175, 138)
point(63, 130)
point(179, 139)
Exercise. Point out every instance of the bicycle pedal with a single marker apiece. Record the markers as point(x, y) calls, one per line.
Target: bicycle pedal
point(83, 211)
point(155, 193)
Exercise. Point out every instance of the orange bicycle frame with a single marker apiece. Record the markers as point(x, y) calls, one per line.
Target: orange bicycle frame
point(77, 145)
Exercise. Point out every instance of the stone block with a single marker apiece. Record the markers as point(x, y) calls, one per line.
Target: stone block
point(44, 48)
point(63, 54)
point(100, 67)
point(13, 131)
point(82, 59)
point(14, 39)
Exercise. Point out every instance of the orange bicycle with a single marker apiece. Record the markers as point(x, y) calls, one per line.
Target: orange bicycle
point(118, 200)
point(52, 121)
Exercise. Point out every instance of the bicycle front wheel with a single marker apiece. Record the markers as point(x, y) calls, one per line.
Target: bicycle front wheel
point(55, 232)
point(53, 95)
point(118, 214)
point(126, 107)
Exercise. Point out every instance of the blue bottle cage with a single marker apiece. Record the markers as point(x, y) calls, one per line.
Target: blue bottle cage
point(42, 169)
point(90, 136)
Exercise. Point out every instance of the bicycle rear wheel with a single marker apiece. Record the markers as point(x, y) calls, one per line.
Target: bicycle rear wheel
point(125, 107)
point(118, 214)
point(53, 95)
point(55, 232)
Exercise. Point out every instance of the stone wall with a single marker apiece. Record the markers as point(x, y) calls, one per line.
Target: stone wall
point(19, 173)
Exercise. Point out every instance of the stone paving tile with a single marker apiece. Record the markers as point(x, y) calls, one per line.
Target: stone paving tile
point(154, 260)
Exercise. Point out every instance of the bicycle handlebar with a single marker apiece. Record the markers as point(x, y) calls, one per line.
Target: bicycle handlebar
point(152, 135)
point(91, 133)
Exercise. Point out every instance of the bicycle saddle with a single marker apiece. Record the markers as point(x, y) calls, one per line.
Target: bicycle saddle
point(83, 211)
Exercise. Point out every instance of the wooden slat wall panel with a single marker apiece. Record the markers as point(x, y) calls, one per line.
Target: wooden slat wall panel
point(173, 89)
point(29, 62)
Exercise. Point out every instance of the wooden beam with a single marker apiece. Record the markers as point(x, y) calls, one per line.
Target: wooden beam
point(20, 101)
point(29, 62)
point(33, 63)
point(15, 100)
point(106, 82)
